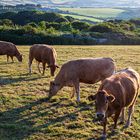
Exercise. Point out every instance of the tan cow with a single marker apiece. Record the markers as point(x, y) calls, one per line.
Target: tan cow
point(115, 93)
point(44, 54)
point(10, 49)
point(85, 70)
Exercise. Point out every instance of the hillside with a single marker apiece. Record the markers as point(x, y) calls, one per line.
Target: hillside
point(102, 14)
point(77, 3)
point(30, 27)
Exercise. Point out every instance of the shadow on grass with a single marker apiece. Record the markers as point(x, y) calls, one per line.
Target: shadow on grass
point(5, 63)
point(8, 79)
point(19, 123)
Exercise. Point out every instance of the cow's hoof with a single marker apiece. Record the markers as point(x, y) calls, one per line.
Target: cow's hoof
point(127, 125)
point(103, 137)
point(121, 122)
point(78, 103)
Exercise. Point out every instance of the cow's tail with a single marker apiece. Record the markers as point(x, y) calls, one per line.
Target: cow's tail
point(137, 92)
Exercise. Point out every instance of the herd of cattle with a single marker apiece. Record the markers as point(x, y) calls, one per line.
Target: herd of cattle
point(117, 90)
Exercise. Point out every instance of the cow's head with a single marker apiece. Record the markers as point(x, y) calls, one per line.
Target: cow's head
point(53, 88)
point(19, 57)
point(53, 68)
point(102, 99)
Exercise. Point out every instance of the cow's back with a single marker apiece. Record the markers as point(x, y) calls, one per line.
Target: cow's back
point(40, 52)
point(123, 87)
point(94, 70)
point(7, 48)
point(88, 70)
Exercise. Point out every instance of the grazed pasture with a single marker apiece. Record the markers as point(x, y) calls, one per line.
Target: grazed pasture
point(24, 115)
point(93, 14)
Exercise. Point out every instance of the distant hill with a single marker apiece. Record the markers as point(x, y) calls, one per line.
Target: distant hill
point(77, 3)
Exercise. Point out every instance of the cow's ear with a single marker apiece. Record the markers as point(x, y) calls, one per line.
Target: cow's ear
point(52, 83)
point(110, 98)
point(91, 97)
point(57, 66)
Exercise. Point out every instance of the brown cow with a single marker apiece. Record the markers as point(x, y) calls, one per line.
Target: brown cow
point(115, 93)
point(10, 49)
point(45, 54)
point(86, 70)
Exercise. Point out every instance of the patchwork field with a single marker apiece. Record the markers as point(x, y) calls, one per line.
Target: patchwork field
point(92, 19)
point(93, 14)
point(102, 14)
point(24, 115)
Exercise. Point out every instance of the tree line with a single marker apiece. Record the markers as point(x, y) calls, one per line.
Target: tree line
point(30, 27)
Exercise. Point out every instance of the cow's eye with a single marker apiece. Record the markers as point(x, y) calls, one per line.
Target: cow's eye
point(106, 101)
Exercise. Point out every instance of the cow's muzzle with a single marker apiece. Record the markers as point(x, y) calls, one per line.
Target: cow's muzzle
point(100, 116)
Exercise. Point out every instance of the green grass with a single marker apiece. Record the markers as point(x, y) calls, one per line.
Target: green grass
point(25, 116)
point(96, 12)
point(83, 18)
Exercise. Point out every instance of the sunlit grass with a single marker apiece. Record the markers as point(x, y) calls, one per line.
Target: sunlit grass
point(96, 12)
point(25, 116)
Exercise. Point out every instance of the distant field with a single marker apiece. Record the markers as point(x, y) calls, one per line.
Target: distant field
point(101, 13)
point(23, 116)
point(83, 18)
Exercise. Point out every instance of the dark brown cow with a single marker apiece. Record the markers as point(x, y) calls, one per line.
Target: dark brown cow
point(115, 93)
point(45, 54)
point(84, 70)
point(10, 49)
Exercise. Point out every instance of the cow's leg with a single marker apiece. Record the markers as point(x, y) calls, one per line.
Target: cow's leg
point(122, 116)
point(7, 58)
point(104, 128)
point(73, 92)
point(130, 111)
point(44, 67)
point(117, 114)
point(30, 63)
point(12, 58)
point(77, 89)
point(38, 67)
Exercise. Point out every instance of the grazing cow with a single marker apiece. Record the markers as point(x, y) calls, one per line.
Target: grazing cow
point(115, 93)
point(10, 49)
point(45, 54)
point(85, 70)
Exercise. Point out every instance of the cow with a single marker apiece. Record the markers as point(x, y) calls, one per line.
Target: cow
point(84, 70)
point(10, 49)
point(43, 54)
point(115, 94)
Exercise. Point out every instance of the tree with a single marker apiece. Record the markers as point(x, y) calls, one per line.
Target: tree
point(6, 22)
point(80, 25)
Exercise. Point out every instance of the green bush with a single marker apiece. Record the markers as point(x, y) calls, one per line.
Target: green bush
point(100, 28)
point(6, 22)
point(80, 25)
point(66, 26)
point(61, 19)
point(54, 25)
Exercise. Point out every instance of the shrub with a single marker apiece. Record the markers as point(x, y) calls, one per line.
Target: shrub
point(61, 19)
point(55, 25)
point(66, 27)
point(80, 25)
point(6, 22)
point(104, 28)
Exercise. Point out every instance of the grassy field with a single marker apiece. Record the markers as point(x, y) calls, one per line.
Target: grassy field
point(24, 115)
point(95, 12)
point(92, 19)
